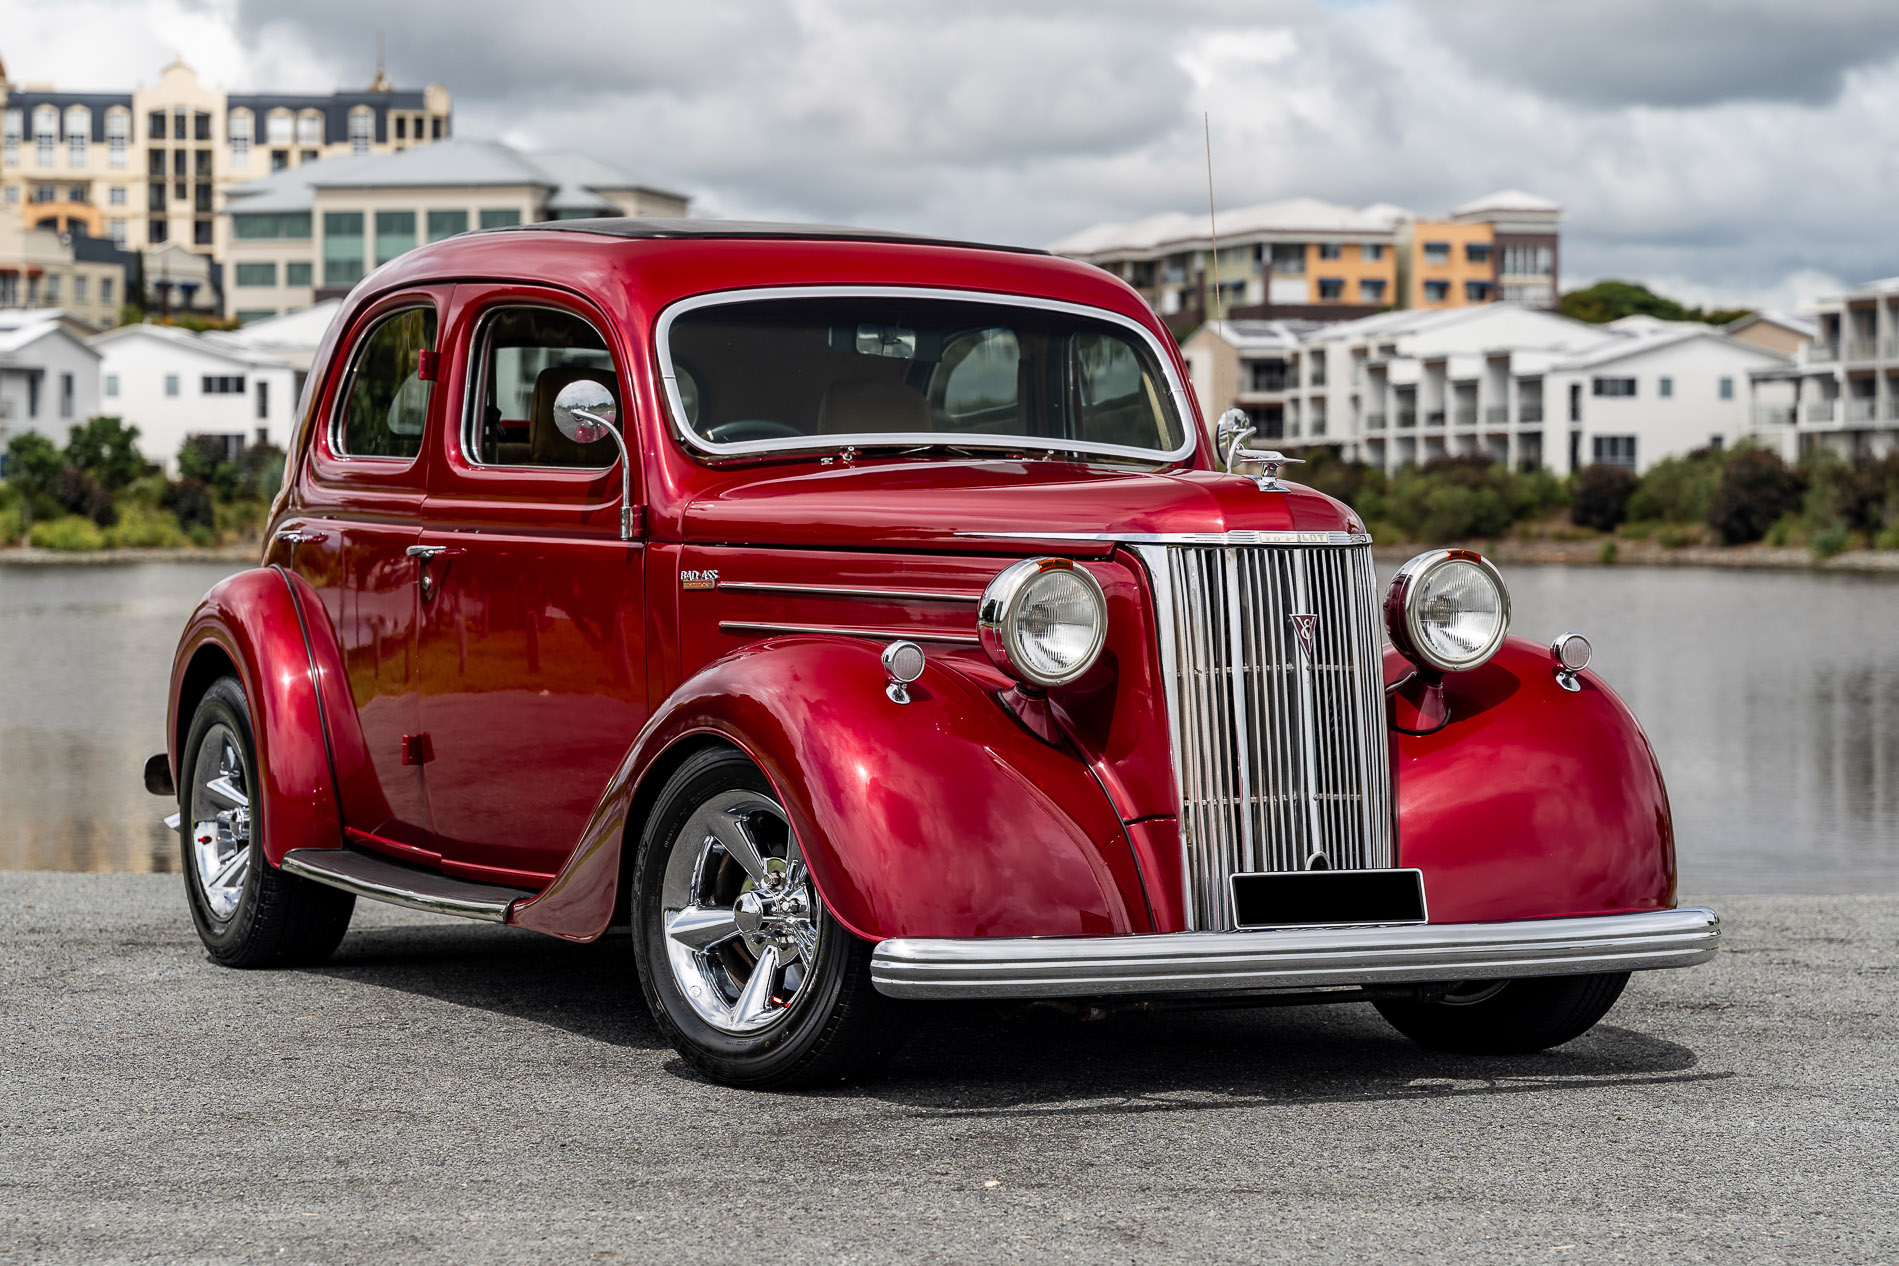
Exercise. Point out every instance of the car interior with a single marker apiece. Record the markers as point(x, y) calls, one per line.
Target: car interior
point(523, 357)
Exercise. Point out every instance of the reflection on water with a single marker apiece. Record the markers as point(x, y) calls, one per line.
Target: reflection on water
point(1772, 700)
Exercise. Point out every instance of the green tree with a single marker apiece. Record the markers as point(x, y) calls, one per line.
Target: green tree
point(34, 465)
point(106, 449)
point(1612, 300)
point(201, 458)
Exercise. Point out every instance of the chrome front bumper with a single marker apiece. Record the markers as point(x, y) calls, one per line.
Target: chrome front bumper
point(1291, 958)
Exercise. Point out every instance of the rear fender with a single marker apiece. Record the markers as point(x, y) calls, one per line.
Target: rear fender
point(942, 817)
point(250, 625)
point(1533, 801)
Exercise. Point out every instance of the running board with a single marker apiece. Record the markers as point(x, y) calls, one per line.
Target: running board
point(380, 879)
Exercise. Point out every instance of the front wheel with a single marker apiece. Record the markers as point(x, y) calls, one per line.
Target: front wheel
point(248, 913)
point(1506, 1017)
point(747, 974)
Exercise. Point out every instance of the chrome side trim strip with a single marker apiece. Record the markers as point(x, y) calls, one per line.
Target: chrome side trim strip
point(972, 597)
point(914, 635)
point(1292, 958)
point(1239, 536)
point(382, 880)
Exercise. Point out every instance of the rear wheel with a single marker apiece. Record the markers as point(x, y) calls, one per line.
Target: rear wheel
point(1506, 1017)
point(248, 913)
point(748, 975)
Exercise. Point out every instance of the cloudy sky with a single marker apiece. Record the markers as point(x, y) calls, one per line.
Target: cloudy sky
point(1722, 150)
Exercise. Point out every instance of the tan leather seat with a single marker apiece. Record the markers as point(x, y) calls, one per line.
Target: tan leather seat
point(872, 406)
point(546, 446)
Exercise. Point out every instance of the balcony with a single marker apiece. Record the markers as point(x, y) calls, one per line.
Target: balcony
point(1530, 411)
point(1861, 409)
point(1773, 415)
point(1374, 421)
point(1823, 411)
point(1862, 349)
point(1466, 415)
point(1407, 417)
point(1497, 415)
point(1434, 417)
point(1822, 353)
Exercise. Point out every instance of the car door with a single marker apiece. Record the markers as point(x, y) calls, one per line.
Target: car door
point(362, 491)
point(532, 614)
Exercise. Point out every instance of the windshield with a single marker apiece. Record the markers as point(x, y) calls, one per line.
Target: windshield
point(760, 375)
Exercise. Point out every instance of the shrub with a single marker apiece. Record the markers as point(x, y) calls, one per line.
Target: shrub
point(1600, 497)
point(1888, 537)
point(12, 524)
point(1786, 531)
point(70, 532)
point(1677, 535)
point(33, 466)
point(1608, 553)
point(78, 494)
point(1678, 489)
point(141, 527)
point(189, 500)
point(107, 450)
point(1831, 540)
point(1756, 488)
point(1861, 495)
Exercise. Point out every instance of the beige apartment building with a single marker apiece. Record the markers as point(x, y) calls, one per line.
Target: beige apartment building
point(39, 269)
point(314, 230)
point(152, 166)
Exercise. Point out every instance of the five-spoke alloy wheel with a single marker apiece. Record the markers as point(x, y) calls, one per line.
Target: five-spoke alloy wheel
point(749, 976)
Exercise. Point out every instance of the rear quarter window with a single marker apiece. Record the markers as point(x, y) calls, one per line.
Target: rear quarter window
point(385, 406)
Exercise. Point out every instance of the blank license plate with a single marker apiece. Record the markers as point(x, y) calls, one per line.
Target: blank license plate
point(1298, 898)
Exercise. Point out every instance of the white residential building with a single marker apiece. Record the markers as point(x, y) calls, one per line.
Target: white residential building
point(49, 378)
point(172, 384)
point(1843, 393)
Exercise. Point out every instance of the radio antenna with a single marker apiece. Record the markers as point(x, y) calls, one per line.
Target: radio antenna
point(1213, 228)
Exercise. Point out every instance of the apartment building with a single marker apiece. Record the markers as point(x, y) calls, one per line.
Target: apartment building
point(151, 166)
point(49, 377)
point(1306, 259)
point(315, 230)
point(172, 384)
point(40, 268)
point(1843, 391)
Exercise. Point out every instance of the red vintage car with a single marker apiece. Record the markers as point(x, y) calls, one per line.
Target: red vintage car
point(860, 619)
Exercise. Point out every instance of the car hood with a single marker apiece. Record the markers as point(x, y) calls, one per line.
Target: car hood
point(996, 506)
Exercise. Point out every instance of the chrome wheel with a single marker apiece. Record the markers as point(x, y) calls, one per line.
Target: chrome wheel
point(741, 918)
point(220, 822)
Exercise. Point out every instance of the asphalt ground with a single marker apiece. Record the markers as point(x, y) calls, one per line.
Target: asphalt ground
point(451, 1091)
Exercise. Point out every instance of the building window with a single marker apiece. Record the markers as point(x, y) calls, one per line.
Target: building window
point(105, 283)
point(241, 140)
point(1612, 387)
point(1437, 291)
point(201, 232)
point(264, 274)
point(277, 127)
point(118, 130)
point(499, 217)
point(52, 288)
point(180, 126)
point(447, 224)
point(1527, 261)
point(297, 272)
point(1331, 288)
point(15, 124)
point(395, 234)
point(13, 193)
point(362, 126)
point(201, 196)
point(1437, 252)
point(308, 156)
point(1614, 450)
point(116, 195)
point(263, 400)
point(157, 231)
point(1371, 289)
point(223, 385)
point(65, 395)
point(115, 229)
point(78, 132)
point(1665, 387)
point(1477, 292)
point(80, 289)
point(1289, 259)
point(309, 129)
point(1477, 252)
point(292, 225)
point(279, 159)
point(112, 384)
point(1727, 389)
point(342, 248)
point(246, 315)
point(200, 126)
point(45, 134)
point(171, 384)
point(402, 127)
point(1330, 250)
point(1372, 251)
point(155, 126)
point(435, 129)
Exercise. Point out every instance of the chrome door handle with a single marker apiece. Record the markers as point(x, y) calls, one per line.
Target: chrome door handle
point(429, 553)
point(299, 536)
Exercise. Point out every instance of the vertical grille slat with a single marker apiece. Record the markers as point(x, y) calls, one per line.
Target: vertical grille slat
point(1279, 756)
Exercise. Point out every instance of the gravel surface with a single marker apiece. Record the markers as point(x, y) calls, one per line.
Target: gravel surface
point(448, 1091)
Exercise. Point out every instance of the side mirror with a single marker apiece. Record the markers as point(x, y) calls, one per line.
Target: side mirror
point(584, 413)
point(1233, 429)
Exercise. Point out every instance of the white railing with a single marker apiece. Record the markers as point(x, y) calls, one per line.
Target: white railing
point(1862, 349)
point(1861, 409)
point(1773, 415)
point(1497, 414)
point(1823, 411)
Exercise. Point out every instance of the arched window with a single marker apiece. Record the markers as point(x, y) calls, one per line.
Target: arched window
point(240, 130)
point(118, 128)
point(45, 133)
point(78, 133)
point(309, 128)
point(362, 128)
point(280, 124)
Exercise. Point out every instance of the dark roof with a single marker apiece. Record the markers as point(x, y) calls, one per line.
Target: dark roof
point(664, 227)
point(100, 250)
point(335, 107)
point(97, 102)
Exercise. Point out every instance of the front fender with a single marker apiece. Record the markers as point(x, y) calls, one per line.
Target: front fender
point(944, 817)
point(1532, 801)
point(250, 621)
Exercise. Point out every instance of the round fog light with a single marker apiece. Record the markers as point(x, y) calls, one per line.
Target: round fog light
point(1571, 653)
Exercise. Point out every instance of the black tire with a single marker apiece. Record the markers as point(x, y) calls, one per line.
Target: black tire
point(1512, 1017)
point(834, 1027)
point(279, 920)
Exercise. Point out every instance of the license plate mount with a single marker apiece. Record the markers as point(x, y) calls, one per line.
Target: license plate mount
point(1327, 898)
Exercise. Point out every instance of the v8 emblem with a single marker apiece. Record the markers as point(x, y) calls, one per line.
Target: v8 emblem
point(1302, 629)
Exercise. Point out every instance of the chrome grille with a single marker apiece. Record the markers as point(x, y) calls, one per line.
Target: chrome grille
point(1280, 754)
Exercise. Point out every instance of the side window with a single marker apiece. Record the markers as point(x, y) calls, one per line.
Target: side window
point(388, 405)
point(1118, 401)
point(978, 381)
point(524, 356)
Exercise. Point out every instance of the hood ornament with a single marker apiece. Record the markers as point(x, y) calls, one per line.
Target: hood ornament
point(1234, 430)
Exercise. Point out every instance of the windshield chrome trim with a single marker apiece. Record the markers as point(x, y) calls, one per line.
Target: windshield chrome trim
point(676, 407)
point(1239, 536)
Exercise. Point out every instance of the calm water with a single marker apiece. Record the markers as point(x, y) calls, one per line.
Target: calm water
point(1772, 700)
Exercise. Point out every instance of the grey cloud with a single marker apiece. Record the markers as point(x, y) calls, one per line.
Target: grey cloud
point(1671, 53)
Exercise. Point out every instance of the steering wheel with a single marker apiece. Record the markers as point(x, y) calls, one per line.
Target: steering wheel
point(738, 430)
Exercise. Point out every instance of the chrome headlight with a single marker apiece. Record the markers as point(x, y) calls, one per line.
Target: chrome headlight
point(1043, 620)
point(1447, 609)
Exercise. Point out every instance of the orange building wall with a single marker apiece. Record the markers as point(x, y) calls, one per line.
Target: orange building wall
point(1458, 270)
point(1352, 267)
